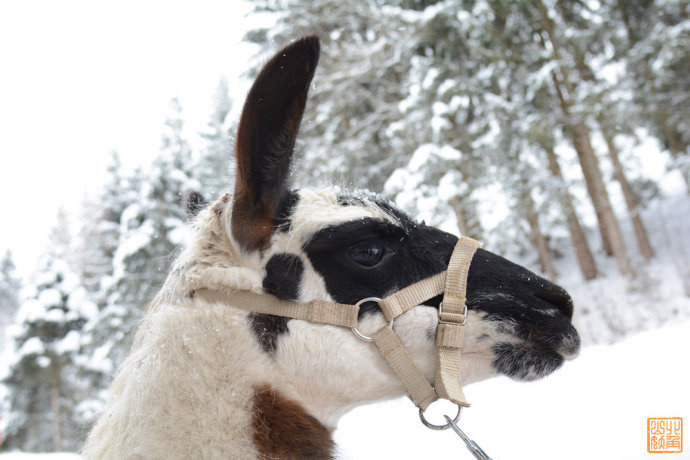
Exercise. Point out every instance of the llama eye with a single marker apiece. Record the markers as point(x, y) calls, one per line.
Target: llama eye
point(367, 254)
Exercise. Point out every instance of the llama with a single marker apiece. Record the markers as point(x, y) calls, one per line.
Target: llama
point(206, 379)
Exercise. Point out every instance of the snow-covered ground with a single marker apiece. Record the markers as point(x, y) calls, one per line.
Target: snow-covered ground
point(54, 456)
point(596, 407)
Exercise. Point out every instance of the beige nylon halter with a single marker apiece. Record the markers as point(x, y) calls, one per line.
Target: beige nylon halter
point(450, 332)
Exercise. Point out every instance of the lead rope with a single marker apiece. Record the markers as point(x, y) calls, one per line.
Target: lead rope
point(472, 446)
point(450, 332)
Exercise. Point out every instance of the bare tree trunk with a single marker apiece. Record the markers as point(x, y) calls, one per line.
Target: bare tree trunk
point(55, 408)
point(599, 195)
point(672, 139)
point(579, 133)
point(539, 240)
point(630, 200)
point(462, 223)
point(588, 266)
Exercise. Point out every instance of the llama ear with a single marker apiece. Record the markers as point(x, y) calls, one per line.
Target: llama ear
point(194, 204)
point(266, 138)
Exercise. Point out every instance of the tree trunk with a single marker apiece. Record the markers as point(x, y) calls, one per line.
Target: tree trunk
point(630, 200)
point(55, 408)
point(462, 223)
point(539, 240)
point(673, 142)
point(579, 133)
point(599, 195)
point(588, 266)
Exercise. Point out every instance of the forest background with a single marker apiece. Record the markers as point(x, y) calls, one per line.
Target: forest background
point(554, 131)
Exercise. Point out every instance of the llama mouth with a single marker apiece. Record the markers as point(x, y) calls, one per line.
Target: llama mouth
point(526, 362)
point(565, 340)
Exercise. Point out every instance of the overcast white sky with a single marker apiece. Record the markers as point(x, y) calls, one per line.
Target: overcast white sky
point(81, 78)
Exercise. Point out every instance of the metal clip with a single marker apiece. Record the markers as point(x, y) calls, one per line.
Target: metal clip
point(472, 446)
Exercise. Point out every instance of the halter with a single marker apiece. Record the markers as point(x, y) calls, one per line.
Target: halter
point(450, 332)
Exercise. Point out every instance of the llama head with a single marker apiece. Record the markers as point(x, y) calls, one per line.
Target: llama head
point(346, 246)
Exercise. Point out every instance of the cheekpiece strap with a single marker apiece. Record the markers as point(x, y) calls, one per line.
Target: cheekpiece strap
point(450, 333)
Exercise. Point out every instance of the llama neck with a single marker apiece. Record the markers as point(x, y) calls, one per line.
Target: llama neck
point(283, 429)
point(198, 385)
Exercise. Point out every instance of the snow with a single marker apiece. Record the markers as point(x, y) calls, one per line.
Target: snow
point(52, 456)
point(596, 406)
point(32, 346)
point(50, 297)
point(30, 310)
point(69, 343)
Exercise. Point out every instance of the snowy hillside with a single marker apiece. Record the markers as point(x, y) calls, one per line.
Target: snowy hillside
point(612, 307)
point(595, 407)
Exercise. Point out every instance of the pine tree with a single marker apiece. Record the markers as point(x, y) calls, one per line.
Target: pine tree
point(214, 172)
point(152, 226)
point(658, 58)
point(9, 294)
point(579, 132)
point(99, 234)
point(47, 372)
point(366, 51)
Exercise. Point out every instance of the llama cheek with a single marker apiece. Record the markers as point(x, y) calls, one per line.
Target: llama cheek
point(413, 329)
point(349, 371)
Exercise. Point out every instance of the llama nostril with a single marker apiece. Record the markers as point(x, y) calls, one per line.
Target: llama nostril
point(558, 297)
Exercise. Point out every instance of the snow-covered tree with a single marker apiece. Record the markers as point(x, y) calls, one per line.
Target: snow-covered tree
point(47, 373)
point(215, 169)
point(99, 235)
point(658, 61)
point(9, 294)
point(365, 57)
point(151, 227)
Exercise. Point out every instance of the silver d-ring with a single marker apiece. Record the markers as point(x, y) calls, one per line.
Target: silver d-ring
point(439, 427)
point(356, 331)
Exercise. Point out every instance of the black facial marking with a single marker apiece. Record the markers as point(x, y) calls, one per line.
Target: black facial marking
point(517, 302)
point(491, 275)
point(347, 199)
point(361, 198)
point(537, 310)
point(267, 329)
point(525, 362)
point(283, 217)
point(283, 277)
point(412, 252)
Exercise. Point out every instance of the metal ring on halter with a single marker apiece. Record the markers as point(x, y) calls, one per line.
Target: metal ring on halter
point(439, 427)
point(356, 331)
point(464, 313)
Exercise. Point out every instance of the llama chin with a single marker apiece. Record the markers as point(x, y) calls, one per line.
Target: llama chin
point(206, 379)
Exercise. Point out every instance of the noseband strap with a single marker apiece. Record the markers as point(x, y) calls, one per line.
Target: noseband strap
point(450, 331)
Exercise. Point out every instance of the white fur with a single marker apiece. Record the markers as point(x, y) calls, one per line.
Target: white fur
point(186, 389)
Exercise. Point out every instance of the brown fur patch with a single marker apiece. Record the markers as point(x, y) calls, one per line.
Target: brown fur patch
point(284, 430)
